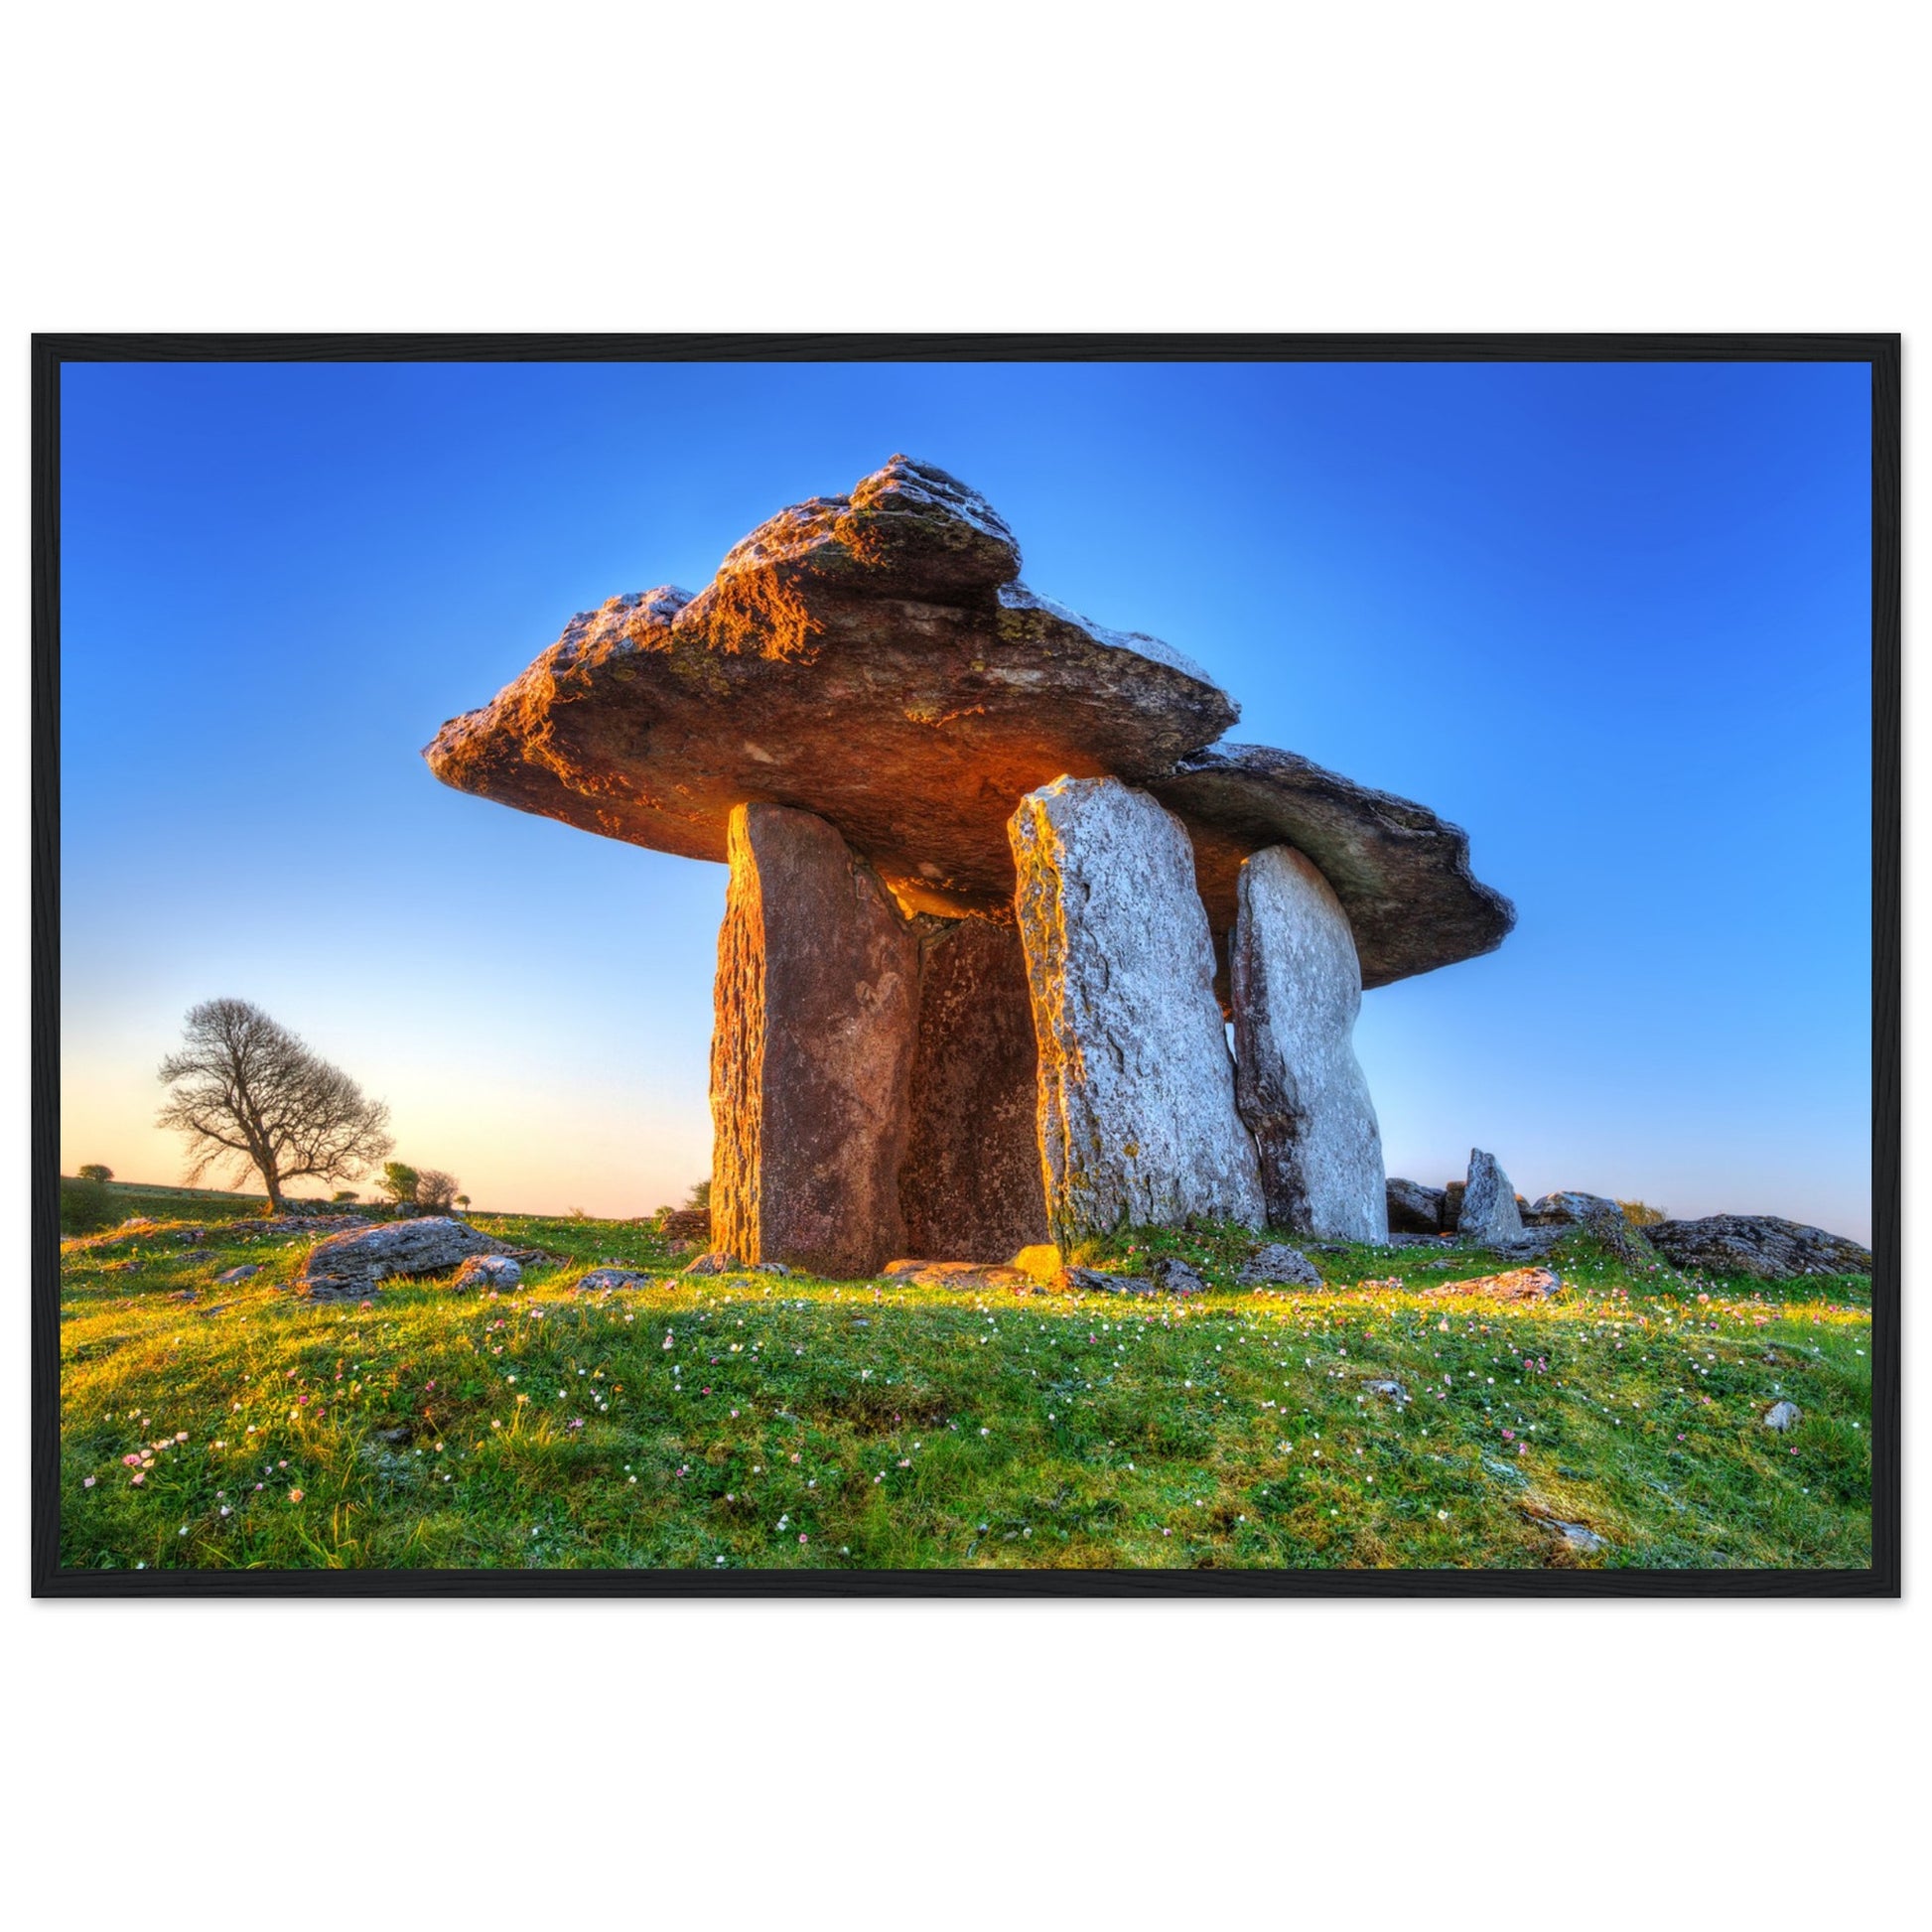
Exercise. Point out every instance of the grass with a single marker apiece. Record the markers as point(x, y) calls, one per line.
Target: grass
point(753, 1422)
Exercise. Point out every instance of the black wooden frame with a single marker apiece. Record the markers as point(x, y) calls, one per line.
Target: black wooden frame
point(1882, 353)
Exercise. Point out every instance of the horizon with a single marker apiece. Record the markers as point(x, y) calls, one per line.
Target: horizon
point(1611, 619)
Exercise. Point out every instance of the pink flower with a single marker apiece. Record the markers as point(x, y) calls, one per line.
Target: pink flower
point(87, 1482)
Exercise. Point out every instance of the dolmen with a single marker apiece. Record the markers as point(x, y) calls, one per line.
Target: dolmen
point(997, 886)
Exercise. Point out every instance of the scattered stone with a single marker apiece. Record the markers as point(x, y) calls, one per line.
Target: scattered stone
point(1578, 1536)
point(1489, 1216)
point(1516, 1285)
point(770, 1268)
point(1782, 1416)
point(817, 1014)
point(967, 1275)
point(1416, 1240)
point(1137, 1121)
point(971, 1182)
point(1760, 1245)
point(1299, 1087)
point(195, 1254)
point(1414, 1208)
point(872, 659)
point(496, 1272)
point(1175, 1276)
point(1278, 1265)
point(1096, 1281)
point(241, 1272)
point(1382, 1386)
point(716, 1261)
point(607, 1281)
point(1401, 872)
point(346, 1266)
point(190, 1237)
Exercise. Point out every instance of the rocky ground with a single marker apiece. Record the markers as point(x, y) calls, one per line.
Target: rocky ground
point(1394, 1415)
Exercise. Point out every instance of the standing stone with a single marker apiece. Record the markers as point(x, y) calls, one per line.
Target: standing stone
point(1297, 1083)
point(816, 1016)
point(970, 1187)
point(1136, 1120)
point(1489, 1214)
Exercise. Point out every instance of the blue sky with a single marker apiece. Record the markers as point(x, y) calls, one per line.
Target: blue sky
point(1614, 619)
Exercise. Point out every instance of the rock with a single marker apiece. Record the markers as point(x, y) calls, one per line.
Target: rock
point(1137, 1123)
point(971, 1182)
point(817, 1011)
point(1176, 1277)
point(1042, 1263)
point(1594, 1215)
point(497, 1272)
point(686, 1224)
point(608, 1281)
point(190, 1237)
point(1278, 1265)
point(1533, 1243)
point(346, 1266)
point(1416, 1240)
point(241, 1272)
point(1402, 873)
point(1453, 1205)
point(1097, 1281)
point(970, 1276)
point(1515, 1284)
point(1414, 1208)
point(717, 1261)
point(1298, 1085)
point(1488, 1213)
point(1758, 1245)
point(870, 658)
point(195, 1254)
point(1382, 1386)
point(1782, 1416)
point(1578, 1536)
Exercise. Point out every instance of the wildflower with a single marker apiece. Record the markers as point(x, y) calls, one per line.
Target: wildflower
point(87, 1482)
point(295, 1495)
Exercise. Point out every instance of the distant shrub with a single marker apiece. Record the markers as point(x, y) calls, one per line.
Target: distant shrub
point(1640, 1214)
point(436, 1191)
point(398, 1181)
point(344, 1193)
point(463, 1200)
point(94, 1172)
point(699, 1195)
point(86, 1207)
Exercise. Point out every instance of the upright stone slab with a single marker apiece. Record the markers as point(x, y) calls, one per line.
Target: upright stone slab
point(1135, 1114)
point(1489, 1211)
point(1300, 1088)
point(811, 1054)
point(971, 1186)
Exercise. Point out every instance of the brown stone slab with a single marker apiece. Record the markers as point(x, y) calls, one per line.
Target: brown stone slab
point(812, 1053)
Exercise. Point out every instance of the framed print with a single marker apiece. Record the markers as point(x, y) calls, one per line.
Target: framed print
point(1251, 965)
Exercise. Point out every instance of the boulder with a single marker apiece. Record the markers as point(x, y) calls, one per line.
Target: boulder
point(1389, 1390)
point(1414, 1208)
point(608, 1281)
point(1401, 872)
point(1596, 1215)
point(1783, 1417)
point(971, 1276)
point(1176, 1277)
point(497, 1272)
point(872, 659)
point(716, 1262)
point(1758, 1245)
point(1137, 1121)
point(1299, 1087)
point(1488, 1216)
point(816, 1016)
point(971, 1182)
point(1452, 1206)
point(1278, 1265)
point(1515, 1284)
point(685, 1224)
point(348, 1266)
point(1570, 1208)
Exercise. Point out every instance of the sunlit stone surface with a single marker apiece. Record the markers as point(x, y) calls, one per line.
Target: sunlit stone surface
point(1136, 1120)
point(1299, 1087)
point(811, 1054)
point(1489, 1211)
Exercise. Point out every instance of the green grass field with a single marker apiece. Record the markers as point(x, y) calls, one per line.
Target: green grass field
point(751, 1421)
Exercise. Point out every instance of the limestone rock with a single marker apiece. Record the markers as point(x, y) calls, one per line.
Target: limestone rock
point(1782, 1416)
point(971, 1182)
point(1097, 1281)
point(1758, 1245)
point(1278, 1265)
point(498, 1272)
point(1601, 1220)
point(608, 1281)
point(817, 997)
point(1401, 872)
point(1176, 1277)
point(1514, 1284)
point(716, 1261)
point(870, 658)
point(971, 1276)
point(685, 1224)
point(1453, 1205)
point(1414, 1208)
point(1568, 1208)
point(1136, 1121)
point(1297, 1084)
point(347, 1266)
point(1390, 1390)
point(1489, 1216)
point(240, 1272)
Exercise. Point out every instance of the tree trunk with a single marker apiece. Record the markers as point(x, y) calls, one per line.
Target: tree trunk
point(274, 1185)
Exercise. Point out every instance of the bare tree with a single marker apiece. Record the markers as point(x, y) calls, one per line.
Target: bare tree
point(436, 1191)
point(250, 1094)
